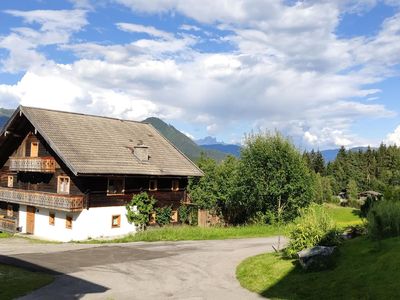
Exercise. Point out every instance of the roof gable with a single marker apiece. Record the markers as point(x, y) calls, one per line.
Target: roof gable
point(91, 145)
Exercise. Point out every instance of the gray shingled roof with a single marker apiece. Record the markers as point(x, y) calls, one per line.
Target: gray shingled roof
point(99, 145)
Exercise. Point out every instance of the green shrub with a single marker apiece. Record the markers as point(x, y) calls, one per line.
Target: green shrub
point(261, 218)
point(354, 203)
point(366, 206)
point(163, 215)
point(313, 227)
point(139, 209)
point(188, 214)
point(384, 220)
point(183, 214)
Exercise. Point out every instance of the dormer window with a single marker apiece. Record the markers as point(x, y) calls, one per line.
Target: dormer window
point(116, 186)
point(141, 152)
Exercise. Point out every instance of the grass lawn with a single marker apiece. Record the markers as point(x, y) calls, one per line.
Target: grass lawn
point(364, 271)
point(179, 233)
point(4, 235)
point(16, 282)
point(344, 216)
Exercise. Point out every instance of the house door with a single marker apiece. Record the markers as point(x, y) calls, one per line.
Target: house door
point(30, 219)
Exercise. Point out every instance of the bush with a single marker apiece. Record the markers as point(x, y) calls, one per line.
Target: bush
point(261, 218)
point(366, 206)
point(313, 227)
point(138, 211)
point(163, 215)
point(384, 220)
point(188, 214)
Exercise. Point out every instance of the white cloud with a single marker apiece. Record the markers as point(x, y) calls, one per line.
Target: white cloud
point(150, 30)
point(310, 138)
point(188, 27)
point(56, 27)
point(288, 70)
point(53, 20)
point(189, 135)
point(393, 138)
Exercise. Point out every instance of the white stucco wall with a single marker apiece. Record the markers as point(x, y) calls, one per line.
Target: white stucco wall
point(22, 218)
point(89, 223)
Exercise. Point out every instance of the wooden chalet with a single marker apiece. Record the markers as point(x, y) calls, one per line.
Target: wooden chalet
point(67, 176)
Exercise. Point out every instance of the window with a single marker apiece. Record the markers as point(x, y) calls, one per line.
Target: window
point(10, 181)
point(175, 185)
point(10, 211)
point(63, 185)
point(152, 219)
point(153, 185)
point(116, 221)
point(174, 216)
point(34, 149)
point(68, 222)
point(52, 219)
point(116, 186)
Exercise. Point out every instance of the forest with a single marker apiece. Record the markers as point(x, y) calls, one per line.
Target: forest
point(376, 169)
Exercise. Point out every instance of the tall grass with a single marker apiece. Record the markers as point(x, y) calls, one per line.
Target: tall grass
point(384, 220)
point(313, 227)
point(180, 233)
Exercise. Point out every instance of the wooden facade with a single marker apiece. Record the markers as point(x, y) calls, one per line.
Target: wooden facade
point(33, 181)
point(37, 183)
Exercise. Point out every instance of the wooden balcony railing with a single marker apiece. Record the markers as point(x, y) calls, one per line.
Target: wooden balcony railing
point(8, 225)
point(41, 199)
point(33, 164)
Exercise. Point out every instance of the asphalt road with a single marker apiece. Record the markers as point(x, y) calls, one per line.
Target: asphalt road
point(160, 270)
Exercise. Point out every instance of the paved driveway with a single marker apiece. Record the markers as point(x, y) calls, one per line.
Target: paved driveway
point(161, 270)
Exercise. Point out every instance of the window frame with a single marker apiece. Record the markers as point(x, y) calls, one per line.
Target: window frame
point(52, 218)
point(68, 221)
point(174, 216)
point(155, 185)
point(37, 149)
point(59, 178)
point(175, 186)
point(108, 186)
point(118, 218)
point(10, 211)
point(10, 181)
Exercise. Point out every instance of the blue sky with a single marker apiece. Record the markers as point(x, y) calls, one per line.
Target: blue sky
point(326, 73)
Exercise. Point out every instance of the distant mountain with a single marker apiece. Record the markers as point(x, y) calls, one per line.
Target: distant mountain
point(5, 114)
point(208, 140)
point(211, 143)
point(227, 148)
point(330, 155)
point(183, 142)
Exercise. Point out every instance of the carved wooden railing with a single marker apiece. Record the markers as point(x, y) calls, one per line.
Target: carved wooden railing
point(33, 164)
point(8, 225)
point(41, 199)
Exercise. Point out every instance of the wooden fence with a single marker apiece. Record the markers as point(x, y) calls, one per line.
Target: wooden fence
point(207, 219)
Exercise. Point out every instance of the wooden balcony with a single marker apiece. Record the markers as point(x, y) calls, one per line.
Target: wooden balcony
point(33, 164)
point(40, 199)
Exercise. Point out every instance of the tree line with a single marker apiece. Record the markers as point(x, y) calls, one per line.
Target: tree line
point(376, 169)
point(271, 180)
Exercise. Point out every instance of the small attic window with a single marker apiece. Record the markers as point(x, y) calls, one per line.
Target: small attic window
point(141, 152)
